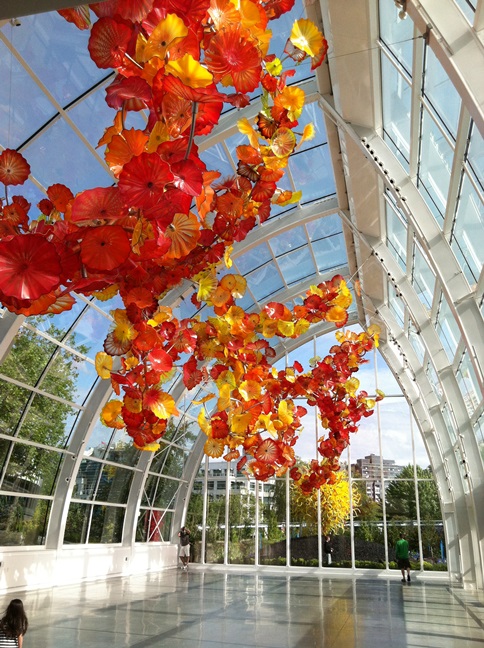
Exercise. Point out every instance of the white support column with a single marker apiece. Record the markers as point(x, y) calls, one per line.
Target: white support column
point(9, 327)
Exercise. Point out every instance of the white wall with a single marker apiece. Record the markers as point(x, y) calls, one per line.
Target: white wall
point(28, 568)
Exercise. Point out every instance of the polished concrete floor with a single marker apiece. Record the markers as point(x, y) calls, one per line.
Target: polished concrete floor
point(212, 608)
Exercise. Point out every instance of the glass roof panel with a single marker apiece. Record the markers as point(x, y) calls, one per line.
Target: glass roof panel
point(435, 166)
point(396, 236)
point(53, 157)
point(265, 281)
point(57, 326)
point(91, 329)
point(475, 155)
point(94, 104)
point(253, 258)
point(468, 233)
point(24, 107)
point(397, 34)
point(396, 104)
point(312, 114)
point(468, 8)
point(296, 266)
point(62, 63)
point(216, 158)
point(312, 173)
point(291, 240)
point(323, 227)
point(443, 96)
point(330, 252)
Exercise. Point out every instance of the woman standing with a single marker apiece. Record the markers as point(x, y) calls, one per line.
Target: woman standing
point(13, 625)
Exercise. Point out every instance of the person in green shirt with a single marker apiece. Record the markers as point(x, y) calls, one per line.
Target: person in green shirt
point(401, 554)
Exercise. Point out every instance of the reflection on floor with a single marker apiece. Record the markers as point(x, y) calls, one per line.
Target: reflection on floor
point(202, 609)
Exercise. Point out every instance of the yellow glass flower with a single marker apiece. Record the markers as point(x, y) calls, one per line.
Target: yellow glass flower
point(309, 133)
point(111, 415)
point(291, 98)
point(265, 422)
point(274, 68)
point(245, 128)
point(214, 448)
point(168, 32)
point(104, 364)
point(124, 330)
point(106, 293)
point(223, 401)
point(202, 421)
point(190, 71)
point(239, 422)
point(250, 390)
point(163, 406)
point(283, 142)
point(306, 37)
point(207, 284)
point(285, 328)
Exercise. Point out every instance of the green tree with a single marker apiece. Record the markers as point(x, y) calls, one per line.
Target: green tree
point(35, 361)
point(401, 503)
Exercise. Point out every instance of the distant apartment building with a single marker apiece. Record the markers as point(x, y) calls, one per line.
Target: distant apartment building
point(373, 468)
point(239, 484)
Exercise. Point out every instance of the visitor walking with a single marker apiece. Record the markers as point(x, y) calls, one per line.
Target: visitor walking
point(184, 535)
point(13, 625)
point(328, 548)
point(401, 554)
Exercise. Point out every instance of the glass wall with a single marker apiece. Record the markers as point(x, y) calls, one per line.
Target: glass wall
point(385, 487)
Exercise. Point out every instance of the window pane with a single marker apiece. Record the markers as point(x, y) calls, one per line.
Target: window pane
point(435, 166)
point(23, 521)
point(160, 492)
point(31, 470)
point(272, 548)
point(297, 265)
point(106, 524)
point(475, 156)
point(154, 526)
point(77, 523)
point(442, 95)
point(28, 357)
point(265, 281)
point(434, 379)
point(395, 304)
point(447, 329)
point(468, 384)
point(13, 401)
point(87, 479)
point(241, 525)
point(468, 8)
point(47, 421)
point(396, 98)
point(396, 236)
point(423, 279)
point(416, 341)
point(468, 233)
point(114, 484)
point(397, 34)
point(121, 449)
